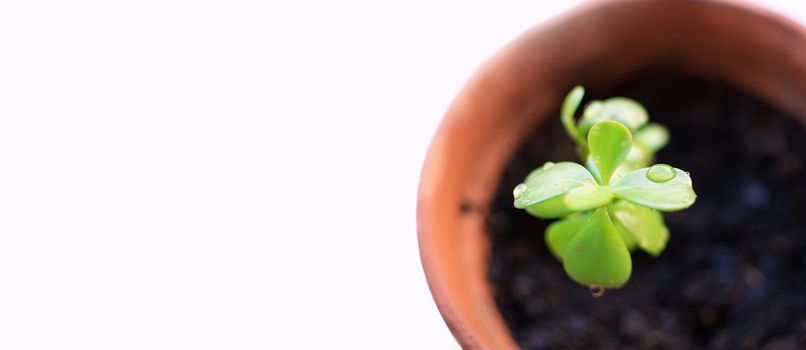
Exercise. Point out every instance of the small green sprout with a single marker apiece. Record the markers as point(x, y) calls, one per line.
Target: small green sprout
point(611, 206)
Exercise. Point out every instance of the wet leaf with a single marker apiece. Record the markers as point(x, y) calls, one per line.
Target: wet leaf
point(549, 181)
point(551, 208)
point(609, 144)
point(559, 233)
point(588, 197)
point(675, 192)
point(596, 255)
point(644, 225)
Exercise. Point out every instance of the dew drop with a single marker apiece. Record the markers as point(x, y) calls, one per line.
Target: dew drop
point(596, 290)
point(660, 173)
point(519, 190)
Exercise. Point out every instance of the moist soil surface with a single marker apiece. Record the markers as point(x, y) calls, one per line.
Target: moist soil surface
point(733, 275)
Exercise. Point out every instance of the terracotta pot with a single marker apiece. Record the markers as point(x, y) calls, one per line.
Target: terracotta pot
point(598, 45)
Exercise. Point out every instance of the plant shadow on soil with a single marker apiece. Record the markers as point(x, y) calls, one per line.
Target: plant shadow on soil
point(733, 275)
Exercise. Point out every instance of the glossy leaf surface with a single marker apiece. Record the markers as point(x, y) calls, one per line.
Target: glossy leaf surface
point(587, 197)
point(549, 181)
point(643, 224)
point(559, 233)
point(551, 208)
point(609, 144)
point(675, 193)
point(596, 255)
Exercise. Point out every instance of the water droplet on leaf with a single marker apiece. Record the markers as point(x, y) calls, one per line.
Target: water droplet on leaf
point(519, 190)
point(660, 173)
point(596, 290)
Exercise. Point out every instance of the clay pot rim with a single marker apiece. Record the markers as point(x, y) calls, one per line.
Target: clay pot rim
point(431, 167)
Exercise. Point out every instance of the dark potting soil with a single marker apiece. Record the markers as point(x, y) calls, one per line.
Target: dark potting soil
point(733, 275)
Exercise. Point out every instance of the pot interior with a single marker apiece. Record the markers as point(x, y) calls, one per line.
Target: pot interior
point(732, 272)
point(599, 45)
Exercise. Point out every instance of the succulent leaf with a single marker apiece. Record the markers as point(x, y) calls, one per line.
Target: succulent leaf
point(609, 144)
point(549, 181)
point(626, 111)
point(660, 186)
point(569, 108)
point(653, 136)
point(644, 225)
point(596, 255)
point(587, 197)
point(559, 233)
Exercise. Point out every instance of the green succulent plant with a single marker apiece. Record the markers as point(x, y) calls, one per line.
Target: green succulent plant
point(610, 206)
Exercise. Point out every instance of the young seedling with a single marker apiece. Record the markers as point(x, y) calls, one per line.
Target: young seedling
point(609, 207)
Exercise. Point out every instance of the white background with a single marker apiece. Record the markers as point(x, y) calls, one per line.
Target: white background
point(227, 175)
